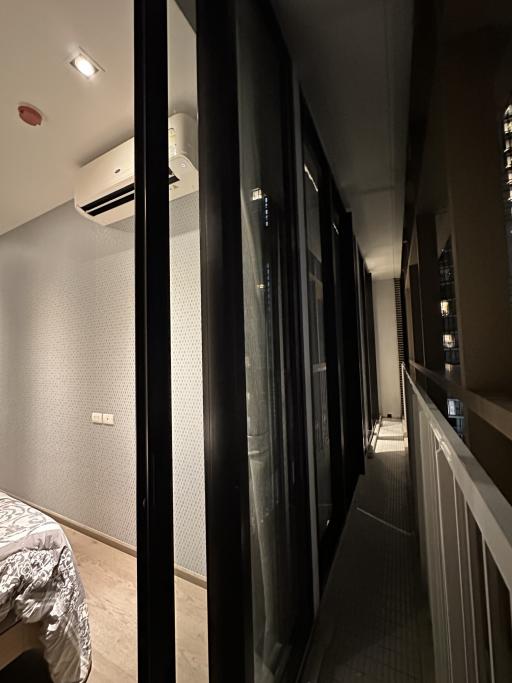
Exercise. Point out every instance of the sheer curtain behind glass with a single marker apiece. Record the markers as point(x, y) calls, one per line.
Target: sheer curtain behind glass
point(317, 344)
point(274, 596)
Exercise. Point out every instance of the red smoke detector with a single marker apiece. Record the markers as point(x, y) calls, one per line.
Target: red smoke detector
point(30, 115)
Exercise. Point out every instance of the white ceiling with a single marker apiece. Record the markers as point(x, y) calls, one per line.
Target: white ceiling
point(353, 60)
point(82, 119)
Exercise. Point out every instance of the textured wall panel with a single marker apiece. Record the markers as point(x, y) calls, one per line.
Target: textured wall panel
point(386, 348)
point(67, 349)
point(187, 386)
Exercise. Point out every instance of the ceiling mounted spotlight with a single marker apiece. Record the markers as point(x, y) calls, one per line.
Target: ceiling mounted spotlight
point(85, 65)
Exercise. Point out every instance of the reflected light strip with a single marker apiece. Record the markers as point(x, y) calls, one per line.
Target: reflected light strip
point(308, 173)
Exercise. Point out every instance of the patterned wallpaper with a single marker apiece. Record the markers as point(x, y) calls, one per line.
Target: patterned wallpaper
point(67, 350)
point(187, 386)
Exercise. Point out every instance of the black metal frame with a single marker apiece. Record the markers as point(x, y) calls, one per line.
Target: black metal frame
point(354, 459)
point(155, 559)
point(405, 331)
point(227, 476)
point(364, 332)
point(372, 357)
point(228, 522)
point(334, 378)
point(296, 413)
point(361, 344)
point(367, 337)
point(335, 359)
point(335, 243)
point(225, 417)
point(294, 362)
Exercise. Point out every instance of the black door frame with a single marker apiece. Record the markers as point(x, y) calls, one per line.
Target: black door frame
point(228, 523)
point(363, 344)
point(155, 556)
point(354, 463)
point(227, 476)
point(335, 361)
point(369, 357)
point(225, 415)
point(295, 391)
point(372, 357)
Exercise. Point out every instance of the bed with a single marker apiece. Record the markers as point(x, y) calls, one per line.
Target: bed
point(42, 600)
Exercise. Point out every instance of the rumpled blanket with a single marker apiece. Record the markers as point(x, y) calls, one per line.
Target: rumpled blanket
point(39, 583)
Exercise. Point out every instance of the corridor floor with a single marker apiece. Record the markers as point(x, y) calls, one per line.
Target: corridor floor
point(373, 623)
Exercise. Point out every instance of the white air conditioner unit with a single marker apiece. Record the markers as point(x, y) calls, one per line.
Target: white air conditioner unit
point(105, 189)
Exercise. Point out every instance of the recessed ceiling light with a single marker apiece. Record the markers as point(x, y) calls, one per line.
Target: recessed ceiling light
point(85, 65)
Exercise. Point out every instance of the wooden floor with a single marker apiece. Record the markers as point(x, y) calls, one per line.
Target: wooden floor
point(109, 578)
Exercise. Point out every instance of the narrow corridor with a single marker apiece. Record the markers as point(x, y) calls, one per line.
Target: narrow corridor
point(373, 624)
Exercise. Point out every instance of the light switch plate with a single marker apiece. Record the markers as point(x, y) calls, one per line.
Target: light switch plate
point(108, 419)
point(97, 418)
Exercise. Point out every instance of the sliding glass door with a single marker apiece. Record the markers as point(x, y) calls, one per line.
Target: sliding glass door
point(264, 191)
point(316, 304)
point(348, 345)
point(257, 519)
point(367, 341)
point(240, 307)
point(331, 449)
point(363, 347)
point(246, 392)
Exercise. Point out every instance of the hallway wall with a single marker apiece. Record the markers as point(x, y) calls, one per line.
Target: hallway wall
point(386, 347)
point(67, 349)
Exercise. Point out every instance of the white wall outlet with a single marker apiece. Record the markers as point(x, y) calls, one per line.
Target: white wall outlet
point(108, 419)
point(97, 418)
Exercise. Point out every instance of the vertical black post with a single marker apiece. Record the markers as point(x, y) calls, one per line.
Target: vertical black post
point(230, 637)
point(361, 329)
point(405, 333)
point(352, 362)
point(328, 547)
point(155, 556)
point(372, 357)
point(417, 336)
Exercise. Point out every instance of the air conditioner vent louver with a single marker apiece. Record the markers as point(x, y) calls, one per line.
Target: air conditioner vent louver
point(105, 189)
point(117, 198)
point(110, 201)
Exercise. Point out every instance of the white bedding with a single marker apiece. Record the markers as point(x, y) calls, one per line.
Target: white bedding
point(39, 583)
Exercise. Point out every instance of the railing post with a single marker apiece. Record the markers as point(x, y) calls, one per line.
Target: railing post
point(499, 615)
point(478, 599)
point(437, 586)
point(451, 566)
point(465, 530)
point(465, 579)
point(488, 610)
point(404, 399)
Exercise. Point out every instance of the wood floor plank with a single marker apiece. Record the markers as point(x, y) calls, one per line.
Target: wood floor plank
point(110, 581)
